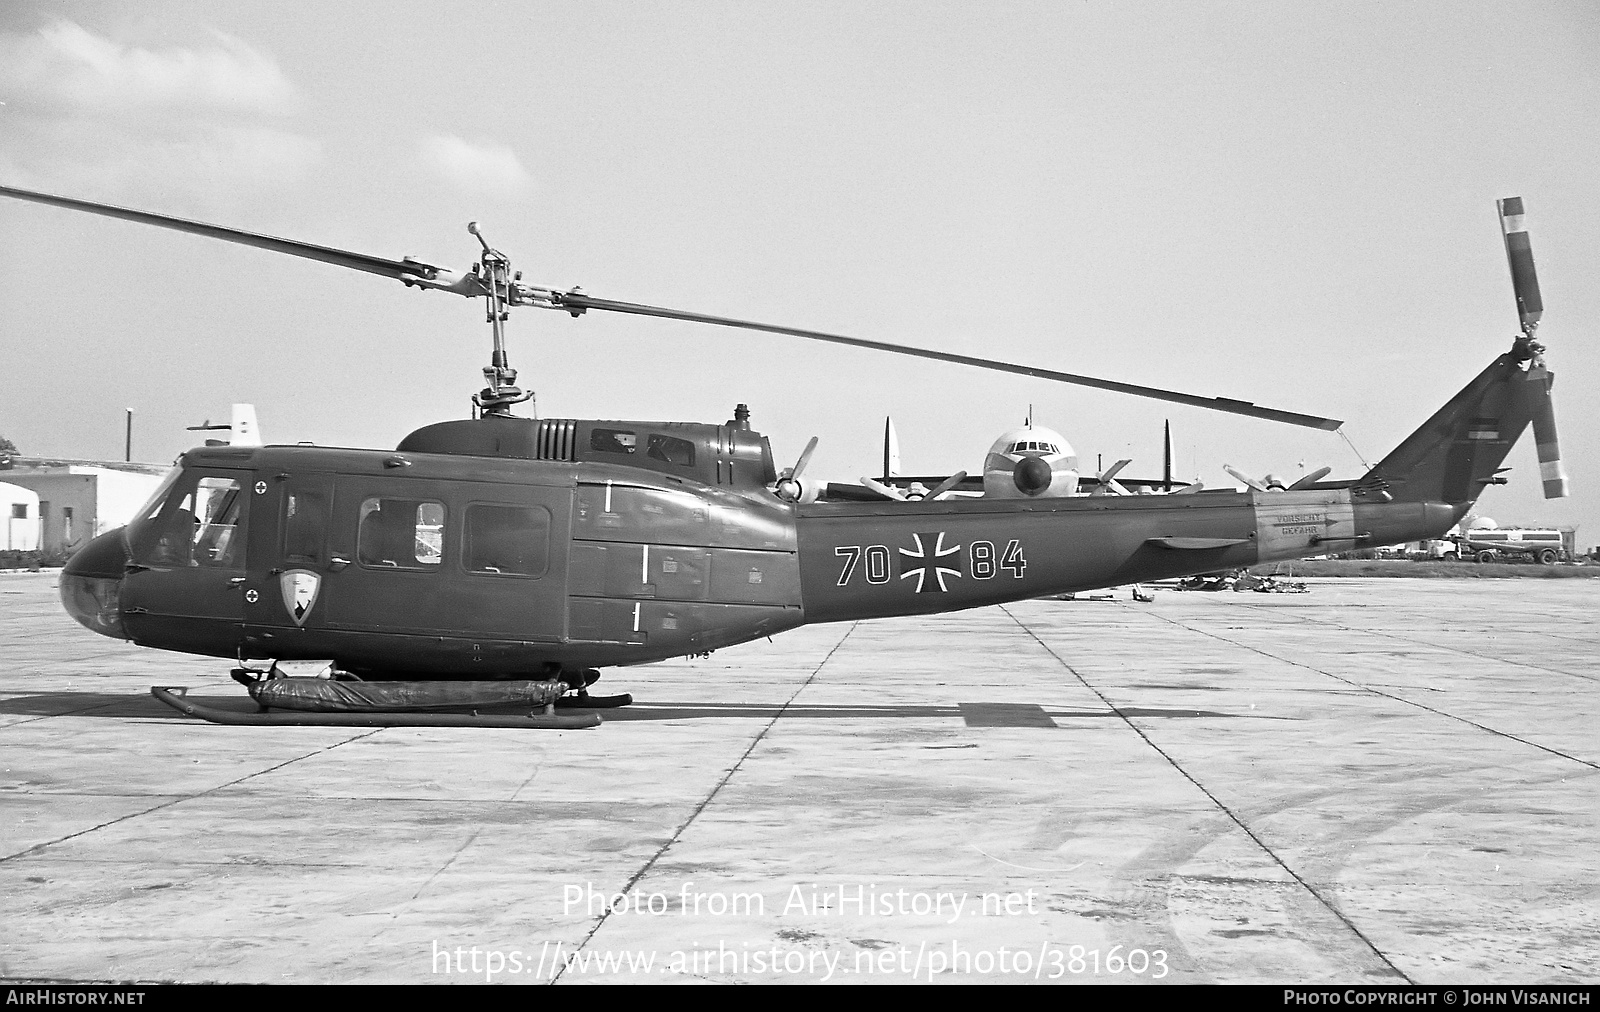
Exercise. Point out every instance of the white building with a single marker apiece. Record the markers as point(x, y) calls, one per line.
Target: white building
point(19, 511)
point(77, 500)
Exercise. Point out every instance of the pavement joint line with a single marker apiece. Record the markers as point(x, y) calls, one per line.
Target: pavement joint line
point(704, 802)
point(36, 848)
point(1436, 646)
point(1229, 812)
point(445, 867)
point(1388, 695)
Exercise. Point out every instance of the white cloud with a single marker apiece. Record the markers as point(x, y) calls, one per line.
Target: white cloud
point(87, 114)
point(483, 168)
point(65, 67)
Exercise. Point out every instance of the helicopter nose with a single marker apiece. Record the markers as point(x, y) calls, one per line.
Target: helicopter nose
point(91, 584)
point(1032, 475)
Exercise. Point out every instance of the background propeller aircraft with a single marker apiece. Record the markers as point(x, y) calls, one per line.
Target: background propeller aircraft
point(535, 551)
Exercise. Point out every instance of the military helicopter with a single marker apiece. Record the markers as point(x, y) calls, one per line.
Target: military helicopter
point(502, 559)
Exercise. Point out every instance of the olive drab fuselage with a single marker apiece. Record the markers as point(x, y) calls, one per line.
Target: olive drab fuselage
point(501, 546)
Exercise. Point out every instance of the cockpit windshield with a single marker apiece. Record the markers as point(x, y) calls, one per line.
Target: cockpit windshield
point(197, 524)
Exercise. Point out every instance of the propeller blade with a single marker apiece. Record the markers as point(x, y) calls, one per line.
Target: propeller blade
point(407, 270)
point(805, 458)
point(1190, 489)
point(1551, 470)
point(790, 486)
point(1115, 469)
point(1519, 252)
point(887, 491)
point(575, 302)
point(1252, 482)
point(1108, 479)
point(1311, 479)
point(946, 485)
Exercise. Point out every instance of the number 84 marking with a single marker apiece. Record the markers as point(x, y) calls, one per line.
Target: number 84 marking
point(983, 561)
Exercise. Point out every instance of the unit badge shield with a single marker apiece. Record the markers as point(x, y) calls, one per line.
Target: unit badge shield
point(300, 588)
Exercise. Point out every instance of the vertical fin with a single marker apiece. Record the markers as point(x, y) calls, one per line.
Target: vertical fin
point(891, 450)
point(243, 430)
point(1166, 456)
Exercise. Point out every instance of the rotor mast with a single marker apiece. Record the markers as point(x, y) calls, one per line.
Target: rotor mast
point(500, 389)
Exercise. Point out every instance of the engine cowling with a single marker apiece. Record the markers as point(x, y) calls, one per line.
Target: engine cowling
point(1030, 463)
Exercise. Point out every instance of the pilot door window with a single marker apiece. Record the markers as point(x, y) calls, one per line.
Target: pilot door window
point(400, 534)
point(197, 526)
point(507, 540)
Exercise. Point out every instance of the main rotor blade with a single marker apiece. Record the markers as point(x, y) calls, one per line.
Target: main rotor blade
point(424, 275)
point(400, 270)
point(578, 302)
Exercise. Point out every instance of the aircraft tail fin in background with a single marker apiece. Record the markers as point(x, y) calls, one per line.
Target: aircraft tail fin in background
point(891, 450)
point(244, 429)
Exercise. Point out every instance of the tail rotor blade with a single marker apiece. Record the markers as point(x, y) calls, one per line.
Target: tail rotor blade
point(1519, 253)
point(1551, 470)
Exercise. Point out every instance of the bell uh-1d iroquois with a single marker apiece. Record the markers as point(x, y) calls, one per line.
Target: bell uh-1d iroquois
point(506, 559)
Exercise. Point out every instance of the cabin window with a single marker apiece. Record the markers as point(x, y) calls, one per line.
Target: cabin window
point(507, 540)
point(671, 449)
point(305, 527)
point(614, 441)
point(19, 511)
point(400, 534)
point(66, 523)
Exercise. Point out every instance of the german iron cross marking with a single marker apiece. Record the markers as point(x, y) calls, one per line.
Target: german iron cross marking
point(930, 561)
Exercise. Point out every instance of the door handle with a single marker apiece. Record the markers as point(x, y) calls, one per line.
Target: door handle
point(338, 563)
point(236, 582)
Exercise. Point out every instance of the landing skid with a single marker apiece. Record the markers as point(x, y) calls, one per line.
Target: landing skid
point(175, 696)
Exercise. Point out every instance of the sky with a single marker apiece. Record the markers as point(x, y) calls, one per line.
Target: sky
point(1287, 203)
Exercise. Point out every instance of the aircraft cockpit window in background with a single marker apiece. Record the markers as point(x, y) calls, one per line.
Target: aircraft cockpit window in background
point(400, 534)
point(1032, 445)
point(671, 449)
point(196, 526)
point(613, 441)
point(507, 540)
